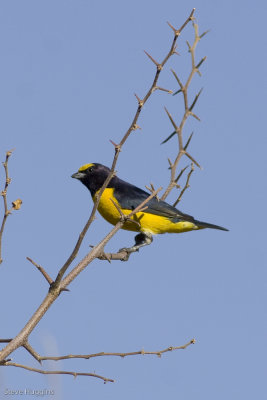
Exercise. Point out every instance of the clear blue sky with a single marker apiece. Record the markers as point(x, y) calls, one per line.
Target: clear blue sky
point(68, 73)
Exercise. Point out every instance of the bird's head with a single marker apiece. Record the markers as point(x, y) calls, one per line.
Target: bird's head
point(92, 176)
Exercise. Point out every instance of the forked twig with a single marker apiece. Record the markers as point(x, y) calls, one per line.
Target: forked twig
point(186, 186)
point(42, 270)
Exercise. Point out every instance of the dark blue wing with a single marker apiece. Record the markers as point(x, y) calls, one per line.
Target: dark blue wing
point(130, 196)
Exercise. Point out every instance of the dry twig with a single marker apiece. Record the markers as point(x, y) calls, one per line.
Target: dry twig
point(42, 270)
point(122, 355)
point(41, 371)
point(15, 204)
point(186, 186)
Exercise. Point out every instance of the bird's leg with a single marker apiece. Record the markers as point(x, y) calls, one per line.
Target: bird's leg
point(142, 239)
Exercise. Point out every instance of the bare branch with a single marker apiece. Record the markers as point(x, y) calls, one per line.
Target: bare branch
point(44, 372)
point(27, 347)
point(122, 355)
point(41, 269)
point(32, 352)
point(7, 212)
point(186, 186)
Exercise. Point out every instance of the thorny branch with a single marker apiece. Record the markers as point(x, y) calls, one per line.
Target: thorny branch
point(55, 291)
point(118, 147)
point(61, 284)
point(186, 186)
point(188, 111)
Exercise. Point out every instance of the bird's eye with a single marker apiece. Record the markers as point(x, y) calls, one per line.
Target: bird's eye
point(90, 169)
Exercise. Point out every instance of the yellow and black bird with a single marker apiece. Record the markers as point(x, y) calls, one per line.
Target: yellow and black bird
point(159, 217)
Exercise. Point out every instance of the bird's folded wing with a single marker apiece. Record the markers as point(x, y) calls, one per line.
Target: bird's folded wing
point(133, 196)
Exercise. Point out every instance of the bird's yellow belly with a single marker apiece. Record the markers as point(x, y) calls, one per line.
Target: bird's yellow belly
point(144, 222)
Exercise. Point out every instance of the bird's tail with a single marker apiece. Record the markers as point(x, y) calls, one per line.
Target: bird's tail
point(203, 225)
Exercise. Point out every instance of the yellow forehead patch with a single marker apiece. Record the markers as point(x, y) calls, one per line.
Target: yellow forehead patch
point(85, 166)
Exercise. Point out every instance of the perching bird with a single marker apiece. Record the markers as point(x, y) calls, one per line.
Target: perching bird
point(159, 216)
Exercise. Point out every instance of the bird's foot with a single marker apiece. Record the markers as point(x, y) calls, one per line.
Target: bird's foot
point(142, 239)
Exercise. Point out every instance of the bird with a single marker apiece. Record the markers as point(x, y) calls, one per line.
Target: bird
point(159, 217)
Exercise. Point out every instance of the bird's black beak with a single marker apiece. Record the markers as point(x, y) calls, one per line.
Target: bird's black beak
point(78, 175)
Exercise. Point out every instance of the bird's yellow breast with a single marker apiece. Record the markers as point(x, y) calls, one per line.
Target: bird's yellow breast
point(155, 224)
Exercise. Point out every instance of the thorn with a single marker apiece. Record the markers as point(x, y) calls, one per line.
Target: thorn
point(188, 141)
point(140, 102)
point(178, 91)
point(169, 137)
point(170, 163)
point(195, 100)
point(164, 90)
point(65, 290)
point(171, 119)
point(189, 47)
point(159, 66)
point(151, 189)
point(114, 144)
point(178, 80)
point(104, 255)
point(181, 173)
point(204, 33)
point(201, 62)
point(192, 159)
point(135, 127)
point(195, 116)
point(117, 146)
point(170, 25)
